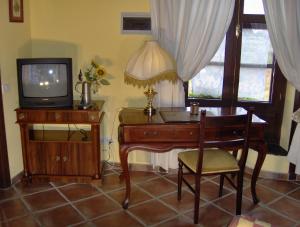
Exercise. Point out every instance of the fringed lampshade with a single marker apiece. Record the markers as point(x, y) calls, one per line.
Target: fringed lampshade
point(149, 65)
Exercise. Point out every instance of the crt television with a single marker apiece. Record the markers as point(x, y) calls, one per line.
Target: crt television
point(45, 82)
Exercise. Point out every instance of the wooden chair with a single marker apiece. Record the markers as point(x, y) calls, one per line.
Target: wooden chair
point(218, 135)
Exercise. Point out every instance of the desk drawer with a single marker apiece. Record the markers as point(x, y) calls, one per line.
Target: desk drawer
point(162, 133)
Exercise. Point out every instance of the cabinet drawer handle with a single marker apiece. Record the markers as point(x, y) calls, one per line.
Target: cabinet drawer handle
point(155, 133)
point(57, 158)
point(57, 116)
point(21, 116)
point(65, 158)
point(191, 133)
point(146, 133)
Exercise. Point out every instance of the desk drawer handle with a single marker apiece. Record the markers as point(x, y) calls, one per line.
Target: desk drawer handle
point(191, 133)
point(146, 133)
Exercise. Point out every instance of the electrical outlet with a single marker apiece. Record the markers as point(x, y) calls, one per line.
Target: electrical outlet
point(5, 88)
point(106, 141)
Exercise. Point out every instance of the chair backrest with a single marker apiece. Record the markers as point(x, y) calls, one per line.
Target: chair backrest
point(228, 132)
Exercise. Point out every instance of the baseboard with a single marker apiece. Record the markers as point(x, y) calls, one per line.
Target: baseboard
point(272, 175)
point(17, 178)
point(149, 168)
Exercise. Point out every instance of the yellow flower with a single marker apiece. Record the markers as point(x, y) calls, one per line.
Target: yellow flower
point(100, 71)
point(94, 74)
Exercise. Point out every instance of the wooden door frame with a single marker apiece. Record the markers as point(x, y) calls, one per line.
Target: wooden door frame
point(5, 180)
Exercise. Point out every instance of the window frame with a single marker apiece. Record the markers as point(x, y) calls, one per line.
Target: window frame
point(272, 110)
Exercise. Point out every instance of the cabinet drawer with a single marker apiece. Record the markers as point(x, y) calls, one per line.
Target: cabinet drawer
point(162, 133)
point(84, 116)
point(57, 116)
point(30, 116)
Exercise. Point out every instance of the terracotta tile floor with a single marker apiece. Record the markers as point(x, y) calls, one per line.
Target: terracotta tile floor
point(153, 203)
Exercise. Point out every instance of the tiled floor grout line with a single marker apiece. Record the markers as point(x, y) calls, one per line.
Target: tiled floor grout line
point(71, 204)
point(21, 197)
point(138, 185)
point(276, 212)
point(281, 196)
point(273, 190)
point(210, 201)
point(103, 193)
point(112, 199)
point(33, 193)
point(23, 194)
point(135, 217)
point(292, 191)
point(165, 220)
point(156, 198)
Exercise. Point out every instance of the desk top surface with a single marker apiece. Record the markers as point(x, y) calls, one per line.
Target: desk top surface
point(133, 116)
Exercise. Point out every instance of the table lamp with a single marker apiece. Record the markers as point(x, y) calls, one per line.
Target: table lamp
point(149, 65)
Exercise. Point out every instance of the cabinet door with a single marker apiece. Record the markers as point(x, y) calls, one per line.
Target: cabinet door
point(53, 157)
point(36, 159)
point(78, 160)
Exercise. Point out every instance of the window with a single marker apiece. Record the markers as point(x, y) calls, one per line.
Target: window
point(244, 71)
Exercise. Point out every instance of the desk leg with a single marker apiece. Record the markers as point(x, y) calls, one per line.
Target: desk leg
point(123, 151)
point(261, 155)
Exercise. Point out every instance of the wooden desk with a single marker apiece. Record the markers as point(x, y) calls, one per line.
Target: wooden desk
point(174, 128)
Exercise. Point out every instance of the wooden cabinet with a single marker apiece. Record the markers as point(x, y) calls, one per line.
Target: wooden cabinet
point(61, 154)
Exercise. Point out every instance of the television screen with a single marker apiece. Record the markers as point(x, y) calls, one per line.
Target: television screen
point(44, 80)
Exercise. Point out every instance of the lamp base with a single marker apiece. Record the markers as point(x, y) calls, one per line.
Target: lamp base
point(149, 109)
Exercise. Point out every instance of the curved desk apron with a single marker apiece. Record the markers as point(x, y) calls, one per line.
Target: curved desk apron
point(174, 128)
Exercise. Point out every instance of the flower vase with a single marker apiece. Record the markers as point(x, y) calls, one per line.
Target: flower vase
point(86, 100)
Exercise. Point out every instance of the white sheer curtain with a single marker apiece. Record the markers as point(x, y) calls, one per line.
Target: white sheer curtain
point(191, 31)
point(283, 22)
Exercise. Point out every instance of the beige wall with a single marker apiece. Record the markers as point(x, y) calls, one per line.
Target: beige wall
point(14, 40)
point(83, 30)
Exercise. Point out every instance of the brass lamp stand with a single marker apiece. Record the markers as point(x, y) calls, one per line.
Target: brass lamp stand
point(149, 109)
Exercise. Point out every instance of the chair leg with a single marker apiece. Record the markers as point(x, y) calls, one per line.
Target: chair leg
point(179, 184)
point(197, 199)
point(221, 185)
point(239, 193)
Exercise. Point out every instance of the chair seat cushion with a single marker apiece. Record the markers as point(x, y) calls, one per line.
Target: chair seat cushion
point(214, 161)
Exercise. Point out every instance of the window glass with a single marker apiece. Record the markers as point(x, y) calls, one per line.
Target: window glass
point(208, 83)
point(253, 7)
point(256, 65)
